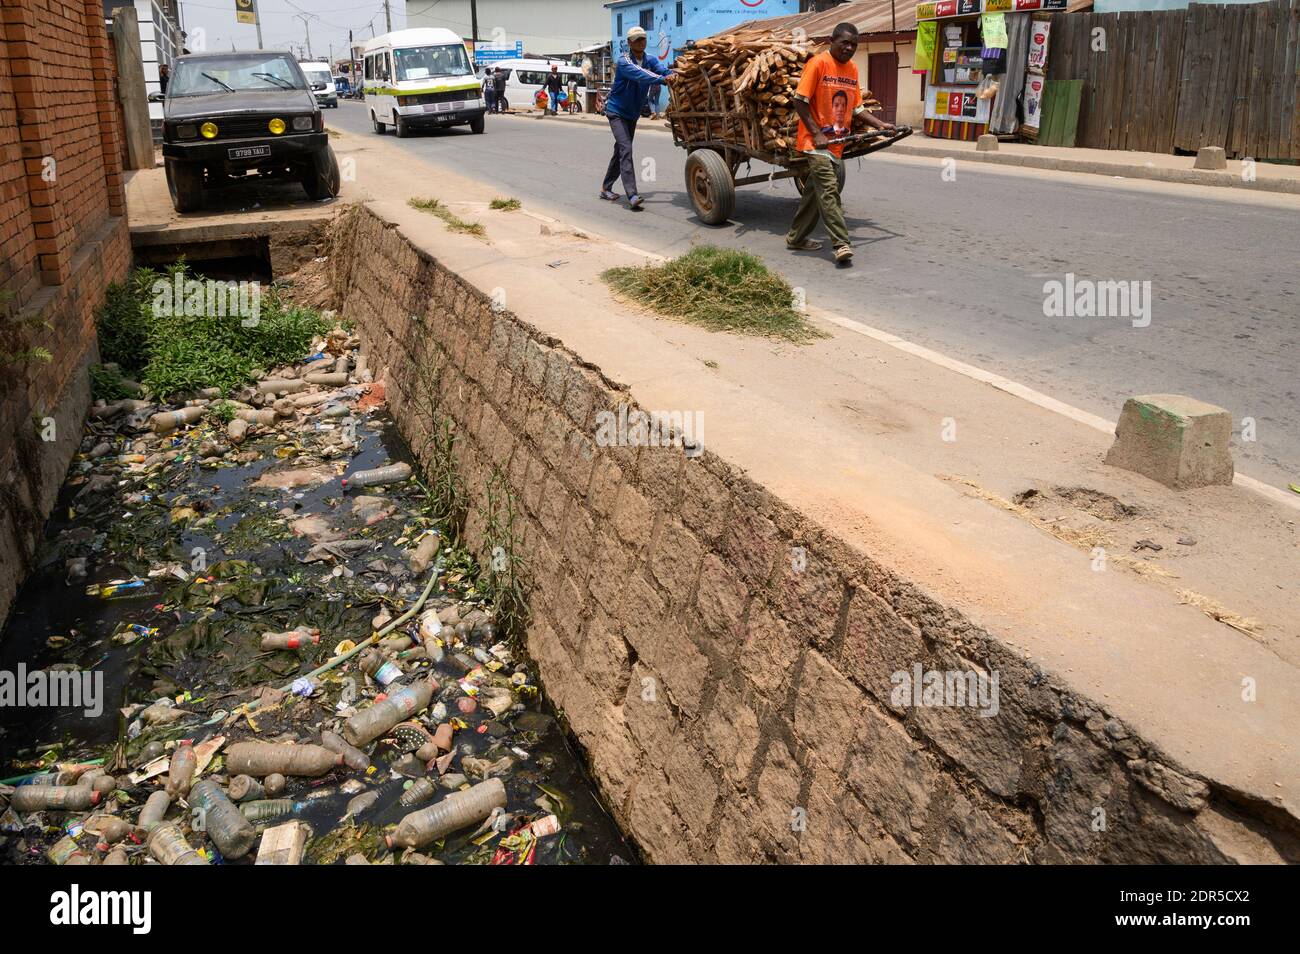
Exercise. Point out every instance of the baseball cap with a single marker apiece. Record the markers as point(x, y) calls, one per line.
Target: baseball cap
point(635, 32)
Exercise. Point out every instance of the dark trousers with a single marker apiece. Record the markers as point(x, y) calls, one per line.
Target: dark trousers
point(491, 96)
point(621, 163)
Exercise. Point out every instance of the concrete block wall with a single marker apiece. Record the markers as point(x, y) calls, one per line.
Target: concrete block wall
point(63, 240)
point(724, 662)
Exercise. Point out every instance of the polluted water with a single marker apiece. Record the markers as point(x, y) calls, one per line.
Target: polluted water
point(257, 642)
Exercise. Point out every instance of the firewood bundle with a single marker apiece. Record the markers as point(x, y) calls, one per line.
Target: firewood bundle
point(741, 89)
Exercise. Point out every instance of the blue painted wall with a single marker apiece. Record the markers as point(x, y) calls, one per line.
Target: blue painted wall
point(700, 18)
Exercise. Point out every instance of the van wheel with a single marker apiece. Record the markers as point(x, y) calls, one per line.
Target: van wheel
point(374, 121)
point(400, 126)
point(320, 175)
point(185, 183)
point(476, 124)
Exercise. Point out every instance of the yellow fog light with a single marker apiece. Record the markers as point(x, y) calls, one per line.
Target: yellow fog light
point(276, 126)
point(209, 130)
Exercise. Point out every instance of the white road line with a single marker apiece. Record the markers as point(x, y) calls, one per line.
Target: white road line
point(1025, 393)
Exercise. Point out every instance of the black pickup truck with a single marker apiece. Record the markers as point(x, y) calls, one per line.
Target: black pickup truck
point(233, 117)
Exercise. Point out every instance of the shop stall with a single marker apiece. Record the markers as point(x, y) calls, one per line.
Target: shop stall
point(984, 70)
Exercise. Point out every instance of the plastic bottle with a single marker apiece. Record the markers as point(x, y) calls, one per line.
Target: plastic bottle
point(392, 474)
point(377, 667)
point(274, 784)
point(267, 808)
point(293, 639)
point(370, 724)
point(64, 798)
point(155, 809)
point(265, 758)
point(169, 847)
point(168, 421)
point(180, 774)
point(264, 416)
point(117, 857)
point(454, 812)
point(237, 430)
point(228, 829)
point(327, 378)
point(430, 628)
point(341, 365)
point(109, 828)
point(281, 385)
point(353, 757)
point(243, 788)
point(66, 851)
point(421, 790)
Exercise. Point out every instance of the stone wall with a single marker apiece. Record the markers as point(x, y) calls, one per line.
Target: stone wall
point(726, 664)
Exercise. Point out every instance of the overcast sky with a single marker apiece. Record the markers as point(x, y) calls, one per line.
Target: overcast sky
point(282, 24)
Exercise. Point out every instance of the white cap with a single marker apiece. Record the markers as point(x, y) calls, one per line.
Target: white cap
point(636, 32)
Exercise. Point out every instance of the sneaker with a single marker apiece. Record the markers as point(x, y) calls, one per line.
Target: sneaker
point(807, 245)
point(608, 196)
point(634, 201)
point(844, 255)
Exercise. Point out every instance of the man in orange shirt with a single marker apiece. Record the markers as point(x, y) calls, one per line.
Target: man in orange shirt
point(828, 91)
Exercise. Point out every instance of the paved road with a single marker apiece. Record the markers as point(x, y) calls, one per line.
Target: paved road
point(960, 266)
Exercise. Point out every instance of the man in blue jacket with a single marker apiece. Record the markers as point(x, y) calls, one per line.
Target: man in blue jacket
point(636, 73)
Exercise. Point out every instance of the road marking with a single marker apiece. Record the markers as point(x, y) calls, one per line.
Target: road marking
point(1014, 388)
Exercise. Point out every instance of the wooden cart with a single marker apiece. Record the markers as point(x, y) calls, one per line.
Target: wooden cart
point(719, 140)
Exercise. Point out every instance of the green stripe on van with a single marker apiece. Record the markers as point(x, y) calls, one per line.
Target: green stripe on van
point(390, 91)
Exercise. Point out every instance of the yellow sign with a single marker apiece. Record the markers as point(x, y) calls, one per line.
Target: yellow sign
point(246, 11)
point(925, 11)
point(997, 6)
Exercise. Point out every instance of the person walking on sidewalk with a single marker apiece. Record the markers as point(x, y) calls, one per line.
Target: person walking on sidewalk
point(489, 90)
point(828, 92)
point(636, 72)
point(553, 85)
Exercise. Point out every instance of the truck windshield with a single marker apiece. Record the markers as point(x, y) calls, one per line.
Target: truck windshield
point(215, 74)
point(423, 62)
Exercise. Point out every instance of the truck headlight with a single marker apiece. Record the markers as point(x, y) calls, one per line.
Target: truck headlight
point(209, 130)
point(302, 123)
point(187, 131)
point(276, 126)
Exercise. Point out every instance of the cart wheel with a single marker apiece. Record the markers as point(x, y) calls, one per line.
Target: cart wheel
point(711, 187)
point(839, 176)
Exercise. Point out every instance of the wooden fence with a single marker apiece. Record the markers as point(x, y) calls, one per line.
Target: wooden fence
point(1210, 75)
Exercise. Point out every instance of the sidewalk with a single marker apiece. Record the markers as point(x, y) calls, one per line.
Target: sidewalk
point(1157, 167)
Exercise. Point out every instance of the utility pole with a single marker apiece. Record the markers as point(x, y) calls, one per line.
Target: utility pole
point(388, 18)
point(306, 19)
point(473, 21)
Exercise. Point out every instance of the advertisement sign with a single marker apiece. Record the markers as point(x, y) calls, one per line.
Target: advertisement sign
point(1039, 32)
point(942, 9)
point(487, 54)
point(246, 11)
point(960, 105)
point(1033, 99)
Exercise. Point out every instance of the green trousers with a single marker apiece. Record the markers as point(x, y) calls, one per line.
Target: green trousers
point(821, 199)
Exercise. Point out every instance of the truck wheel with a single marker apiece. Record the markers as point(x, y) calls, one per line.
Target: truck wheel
point(711, 187)
point(320, 176)
point(400, 126)
point(476, 125)
point(185, 183)
point(374, 121)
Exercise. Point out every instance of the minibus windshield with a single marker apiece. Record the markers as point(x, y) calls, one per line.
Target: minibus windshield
point(425, 61)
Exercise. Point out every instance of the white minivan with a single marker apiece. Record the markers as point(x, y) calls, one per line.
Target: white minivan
point(421, 78)
point(322, 85)
point(525, 78)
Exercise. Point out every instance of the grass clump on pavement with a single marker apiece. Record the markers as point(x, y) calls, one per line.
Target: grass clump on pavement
point(454, 222)
point(180, 346)
point(506, 205)
point(721, 289)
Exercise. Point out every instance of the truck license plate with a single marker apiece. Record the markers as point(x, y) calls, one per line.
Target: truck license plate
point(248, 152)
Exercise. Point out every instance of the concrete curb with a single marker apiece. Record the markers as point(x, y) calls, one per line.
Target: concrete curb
point(1121, 169)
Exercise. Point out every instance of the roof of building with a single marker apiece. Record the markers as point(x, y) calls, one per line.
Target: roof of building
point(869, 16)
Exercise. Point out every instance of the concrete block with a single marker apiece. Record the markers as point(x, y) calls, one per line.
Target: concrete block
point(1211, 157)
point(1179, 441)
point(987, 143)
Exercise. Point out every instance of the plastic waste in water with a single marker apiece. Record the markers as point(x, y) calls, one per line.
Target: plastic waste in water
point(370, 724)
point(180, 774)
point(421, 790)
point(353, 757)
point(169, 847)
point(243, 788)
point(265, 808)
point(392, 474)
point(168, 421)
point(64, 798)
point(293, 639)
point(266, 758)
point(454, 812)
point(228, 829)
point(155, 808)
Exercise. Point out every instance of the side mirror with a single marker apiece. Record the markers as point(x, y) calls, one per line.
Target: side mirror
point(156, 97)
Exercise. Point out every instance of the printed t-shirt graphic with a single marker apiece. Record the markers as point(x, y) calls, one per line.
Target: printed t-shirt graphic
point(831, 89)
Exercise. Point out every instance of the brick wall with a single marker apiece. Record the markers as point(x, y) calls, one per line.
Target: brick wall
point(64, 232)
point(725, 663)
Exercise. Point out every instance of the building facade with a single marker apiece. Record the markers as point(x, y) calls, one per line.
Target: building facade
point(546, 27)
point(671, 24)
point(161, 41)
